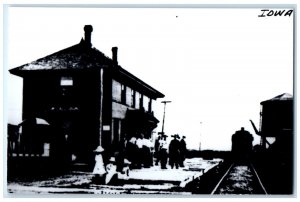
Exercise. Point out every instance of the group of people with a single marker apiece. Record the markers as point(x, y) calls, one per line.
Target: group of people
point(139, 151)
point(136, 153)
point(109, 172)
point(175, 151)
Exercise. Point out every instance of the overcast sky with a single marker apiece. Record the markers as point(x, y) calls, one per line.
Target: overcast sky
point(215, 65)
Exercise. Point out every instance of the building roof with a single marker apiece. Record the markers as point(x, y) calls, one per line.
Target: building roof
point(83, 56)
point(281, 97)
point(78, 56)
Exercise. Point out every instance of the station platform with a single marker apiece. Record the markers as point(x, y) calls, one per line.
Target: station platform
point(153, 180)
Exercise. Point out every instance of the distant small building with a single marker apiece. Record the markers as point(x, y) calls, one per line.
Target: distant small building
point(88, 100)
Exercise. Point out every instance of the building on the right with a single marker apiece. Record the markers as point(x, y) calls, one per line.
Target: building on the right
point(274, 157)
point(277, 120)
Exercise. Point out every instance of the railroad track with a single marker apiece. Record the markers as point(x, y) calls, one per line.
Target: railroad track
point(240, 179)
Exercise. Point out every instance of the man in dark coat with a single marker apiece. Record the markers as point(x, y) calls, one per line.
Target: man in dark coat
point(174, 152)
point(156, 150)
point(182, 151)
point(131, 152)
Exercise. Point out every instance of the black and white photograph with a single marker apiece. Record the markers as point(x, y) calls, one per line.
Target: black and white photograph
point(152, 100)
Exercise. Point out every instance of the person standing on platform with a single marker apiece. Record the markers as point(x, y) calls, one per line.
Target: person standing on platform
point(174, 152)
point(163, 151)
point(99, 169)
point(156, 150)
point(131, 150)
point(140, 153)
point(147, 160)
point(182, 151)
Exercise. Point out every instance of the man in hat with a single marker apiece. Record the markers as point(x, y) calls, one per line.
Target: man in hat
point(163, 151)
point(157, 150)
point(131, 151)
point(174, 152)
point(140, 155)
point(182, 151)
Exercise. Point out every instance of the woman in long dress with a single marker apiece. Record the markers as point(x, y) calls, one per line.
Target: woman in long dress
point(99, 169)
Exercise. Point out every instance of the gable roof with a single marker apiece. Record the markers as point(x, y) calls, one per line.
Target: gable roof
point(81, 57)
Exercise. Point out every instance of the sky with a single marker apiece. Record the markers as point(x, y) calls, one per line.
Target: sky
point(215, 64)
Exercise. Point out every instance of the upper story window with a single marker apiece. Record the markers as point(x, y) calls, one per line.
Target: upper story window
point(146, 103)
point(66, 90)
point(123, 94)
point(66, 81)
point(150, 105)
point(141, 101)
point(128, 96)
point(137, 100)
point(116, 91)
point(132, 98)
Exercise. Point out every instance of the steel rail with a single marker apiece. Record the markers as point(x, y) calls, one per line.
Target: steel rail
point(227, 172)
point(217, 186)
point(259, 181)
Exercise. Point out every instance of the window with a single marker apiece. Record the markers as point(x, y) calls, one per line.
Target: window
point(128, 96)
point(137, 100)
point(123, 94)
point(116, 91)
point(66, 81)
point(146, 102)
point(132, 98)
point(150, 105)
point(141, 101)
point(66, 90)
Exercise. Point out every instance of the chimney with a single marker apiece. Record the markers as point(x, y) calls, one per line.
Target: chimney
point(115, 56)
point(88, 34)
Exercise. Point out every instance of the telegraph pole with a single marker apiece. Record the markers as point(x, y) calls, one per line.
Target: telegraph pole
point(163, 123)
point(200, 137)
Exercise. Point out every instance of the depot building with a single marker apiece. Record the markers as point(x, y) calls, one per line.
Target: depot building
point(86, 99)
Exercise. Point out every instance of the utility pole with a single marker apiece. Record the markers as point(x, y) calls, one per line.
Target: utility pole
point(163, 123)
point(200, 137)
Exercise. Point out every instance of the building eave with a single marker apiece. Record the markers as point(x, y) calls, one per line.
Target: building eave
point(131, 79)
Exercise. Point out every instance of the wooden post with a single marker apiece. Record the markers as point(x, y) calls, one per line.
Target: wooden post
point(101, 107)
